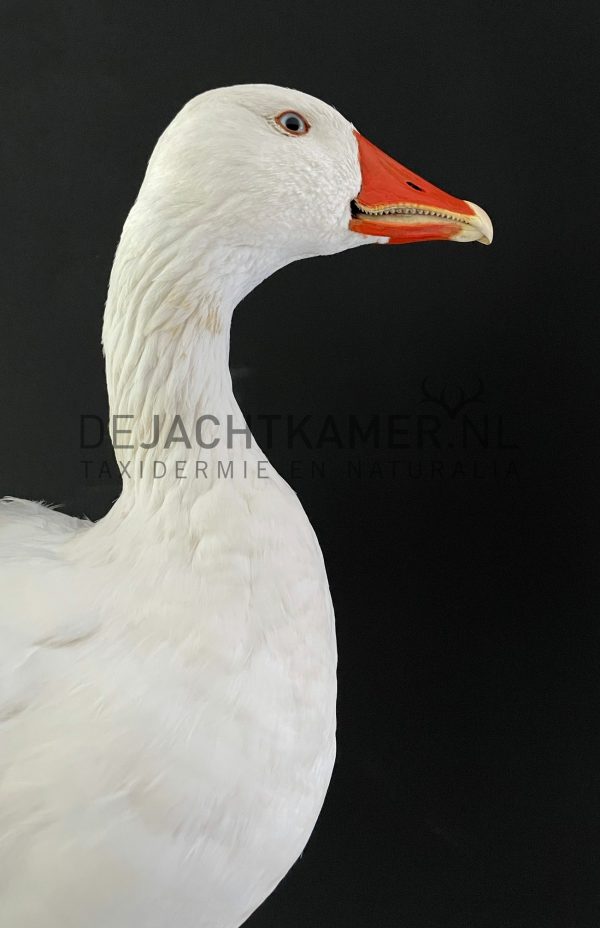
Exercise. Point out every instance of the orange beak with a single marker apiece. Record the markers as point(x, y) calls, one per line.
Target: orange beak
point(399, 205)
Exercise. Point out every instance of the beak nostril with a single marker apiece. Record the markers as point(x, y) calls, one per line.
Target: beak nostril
point(414, 186)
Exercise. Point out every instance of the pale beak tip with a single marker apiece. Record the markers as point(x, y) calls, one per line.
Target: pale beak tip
point(484, 224)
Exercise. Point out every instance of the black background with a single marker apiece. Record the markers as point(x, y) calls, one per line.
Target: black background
point(467, 789)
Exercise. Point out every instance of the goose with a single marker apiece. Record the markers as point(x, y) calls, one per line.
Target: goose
point(168, 673)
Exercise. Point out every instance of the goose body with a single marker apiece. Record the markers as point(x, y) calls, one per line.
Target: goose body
point(168, 674)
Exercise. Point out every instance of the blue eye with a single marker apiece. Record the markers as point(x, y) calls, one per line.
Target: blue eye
point(293, 123)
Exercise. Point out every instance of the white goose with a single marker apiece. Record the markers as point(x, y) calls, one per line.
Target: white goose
point(168, 674)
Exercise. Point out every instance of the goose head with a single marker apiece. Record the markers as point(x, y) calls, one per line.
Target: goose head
point(245, 180)
point(278, 172)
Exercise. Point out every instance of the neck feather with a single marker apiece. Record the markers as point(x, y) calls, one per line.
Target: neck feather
point(166, 339)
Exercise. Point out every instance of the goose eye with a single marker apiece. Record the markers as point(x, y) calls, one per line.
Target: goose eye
point(292, 123)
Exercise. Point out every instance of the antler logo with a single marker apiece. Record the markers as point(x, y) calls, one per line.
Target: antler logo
point(452, 405)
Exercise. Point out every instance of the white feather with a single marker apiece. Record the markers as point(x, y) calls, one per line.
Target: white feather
point(167, 675)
